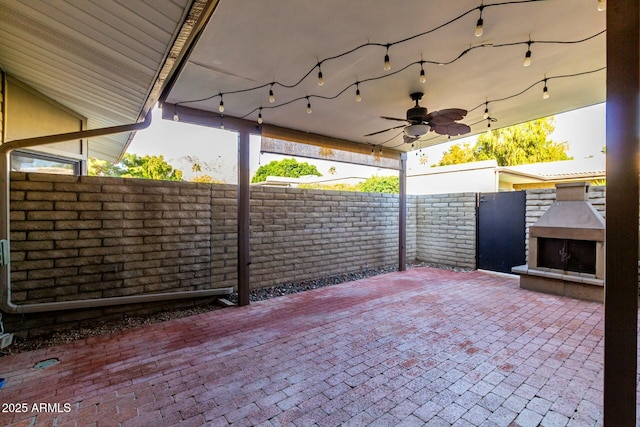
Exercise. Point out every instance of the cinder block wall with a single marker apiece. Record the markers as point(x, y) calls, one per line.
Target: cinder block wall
point(299, 234)
point(446, 229)
point(89, 237)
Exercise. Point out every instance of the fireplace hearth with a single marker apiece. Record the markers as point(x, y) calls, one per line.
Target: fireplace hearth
point(566, 248)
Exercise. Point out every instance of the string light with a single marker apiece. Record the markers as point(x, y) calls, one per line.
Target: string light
point(602, 5)
point(358, 96)
point(387, 61)
point(222, 121)
point(423, 77)
point(260, 117)
point(272, 98)
point(480, 24)
point(527, 56)
point(545, 90)
point(320, 78)
point(176, 117)
point(221, 106)
point(486, 110)
point(309, 110)
point(488, 125)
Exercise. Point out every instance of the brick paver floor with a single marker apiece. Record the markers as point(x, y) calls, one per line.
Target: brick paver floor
point(422, 347)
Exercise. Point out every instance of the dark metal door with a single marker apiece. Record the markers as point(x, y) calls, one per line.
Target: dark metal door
point(501, 230)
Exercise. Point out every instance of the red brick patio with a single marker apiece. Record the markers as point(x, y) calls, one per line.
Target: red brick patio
point(422, 347)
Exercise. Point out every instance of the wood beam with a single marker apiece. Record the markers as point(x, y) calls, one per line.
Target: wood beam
point(198, 117)
point(277, 132)
point(402, 215)
point(244, 261)
point(621, 277)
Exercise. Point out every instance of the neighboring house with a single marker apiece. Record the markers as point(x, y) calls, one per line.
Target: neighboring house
point(29, 113)
point(487, 177)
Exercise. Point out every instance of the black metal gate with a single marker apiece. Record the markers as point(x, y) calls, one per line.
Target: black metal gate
point(501, 230)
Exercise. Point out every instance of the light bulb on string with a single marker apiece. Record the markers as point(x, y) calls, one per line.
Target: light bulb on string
point(358, 96)
point(222, 121)
point(309, 110)
point(320, 77)
point(527, 56)
point(260, 116)
point(423, 77)
point(545, 90)
point(272, 98)
point(380, 149)
point(387, 61)
point(221, 105)
point(489, 125)
point(486, 110)
point(176, 117)
point(602, 5)
point(480, 24)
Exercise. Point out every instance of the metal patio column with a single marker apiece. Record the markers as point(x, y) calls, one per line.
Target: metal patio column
point(243, 218)
point(402, 215)
point(621, 284)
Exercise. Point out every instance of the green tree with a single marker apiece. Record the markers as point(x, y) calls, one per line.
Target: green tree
point(381, 184)
point(457, 154)
point(133, 166)
point(204, 178)
point(514, 145)
point(286, 167)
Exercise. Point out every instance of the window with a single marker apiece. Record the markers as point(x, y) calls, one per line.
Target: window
point(27, 161)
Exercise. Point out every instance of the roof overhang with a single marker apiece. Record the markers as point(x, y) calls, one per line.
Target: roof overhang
point(107, 61)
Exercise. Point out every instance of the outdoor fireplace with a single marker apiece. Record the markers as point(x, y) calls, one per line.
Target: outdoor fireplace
point(566, 247)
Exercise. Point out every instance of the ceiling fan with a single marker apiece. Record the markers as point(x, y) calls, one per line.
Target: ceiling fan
point(420, 121)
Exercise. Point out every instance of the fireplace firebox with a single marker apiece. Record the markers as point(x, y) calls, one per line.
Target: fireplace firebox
point(567, 255)
point(566, 247)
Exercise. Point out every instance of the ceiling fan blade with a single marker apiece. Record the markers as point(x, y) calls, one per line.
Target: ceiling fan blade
point(393, 118)
point(409, 139)
point(448, 115)
point(382, 131)
point(451, 129)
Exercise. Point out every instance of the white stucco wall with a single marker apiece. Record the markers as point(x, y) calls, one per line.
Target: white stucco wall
point(469, 177)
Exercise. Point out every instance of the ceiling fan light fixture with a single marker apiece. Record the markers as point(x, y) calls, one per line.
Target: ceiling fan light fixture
point(416, 130)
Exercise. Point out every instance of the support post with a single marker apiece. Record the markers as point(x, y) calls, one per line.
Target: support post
point(402, 215)
point(243, 218)
point(621, 277)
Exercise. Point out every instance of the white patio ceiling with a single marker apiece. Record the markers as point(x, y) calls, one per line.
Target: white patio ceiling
point(252, 43)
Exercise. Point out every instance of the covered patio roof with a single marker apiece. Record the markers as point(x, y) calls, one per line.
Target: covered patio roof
point(249, 49)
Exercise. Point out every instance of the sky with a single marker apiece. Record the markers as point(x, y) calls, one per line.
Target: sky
point(215, 150)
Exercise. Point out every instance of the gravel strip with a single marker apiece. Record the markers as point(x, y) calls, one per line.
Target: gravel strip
point(105, 328)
